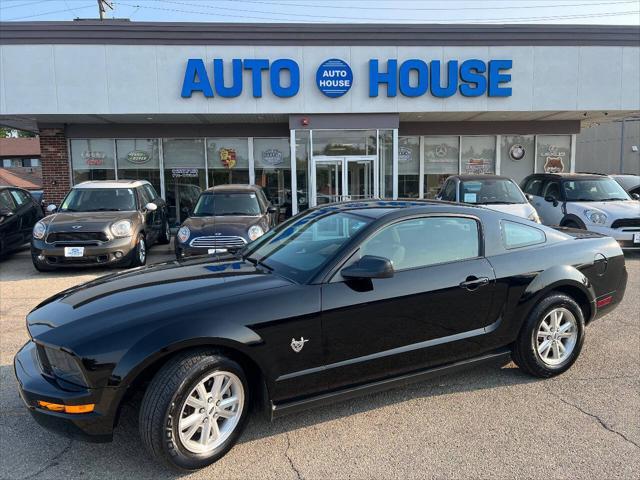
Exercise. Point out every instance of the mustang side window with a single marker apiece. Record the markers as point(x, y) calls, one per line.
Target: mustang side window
point(517, 235)
point(425, 241)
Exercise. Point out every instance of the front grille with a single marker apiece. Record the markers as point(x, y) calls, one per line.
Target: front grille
point(71, 237)
point(626, 222)
point(218, 242)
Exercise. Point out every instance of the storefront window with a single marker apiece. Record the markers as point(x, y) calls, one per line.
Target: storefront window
point(441, 157)
point(272, 163)
point(139, 159)
point(385, 162)
point(184, 176)
point(408, 167)
point(554, 153)
point(92, 159)
point(478, 155)
point(228, 160)
point(517, 154)
point(344, 142)
point(302, 171)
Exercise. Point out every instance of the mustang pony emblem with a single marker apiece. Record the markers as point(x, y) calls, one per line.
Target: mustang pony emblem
point(297, 345)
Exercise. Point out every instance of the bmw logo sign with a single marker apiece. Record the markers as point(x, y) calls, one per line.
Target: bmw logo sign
point(334, 77)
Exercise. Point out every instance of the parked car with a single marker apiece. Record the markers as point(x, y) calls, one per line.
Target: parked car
point(338, 301)
point(491, 191)
point(586, 201)
point(225, 217)
point(19, 212)
point(631, 184)
point(101, 223)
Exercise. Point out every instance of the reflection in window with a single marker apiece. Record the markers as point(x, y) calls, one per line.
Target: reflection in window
point(408, 167)
point(92, 159)
point(478, 155)
point(517, 155)
point(139, 159)
point(440, 161)
point(272, 163)
point(516, 235)
point(344, 142)
point(385, 163)
point(302, 172)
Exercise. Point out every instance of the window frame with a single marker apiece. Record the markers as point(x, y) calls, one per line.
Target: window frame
point(12, 207)
point(333, 275)
point(18, 199)
point(531, 244)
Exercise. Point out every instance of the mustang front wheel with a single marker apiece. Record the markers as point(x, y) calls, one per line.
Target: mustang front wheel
point(194, 410)
point(551, 338)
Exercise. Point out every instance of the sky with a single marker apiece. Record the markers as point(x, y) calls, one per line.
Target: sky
point(610, 12)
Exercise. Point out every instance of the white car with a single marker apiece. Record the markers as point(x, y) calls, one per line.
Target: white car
point(587, 201)
point(491, 191)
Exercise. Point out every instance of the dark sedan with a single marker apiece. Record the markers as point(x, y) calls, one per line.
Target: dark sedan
point(226, 217)
point(341, 300)
point(631, 184)
point(101, 223)
point(19, 212)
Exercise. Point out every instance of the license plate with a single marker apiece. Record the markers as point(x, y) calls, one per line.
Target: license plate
point(216, 250)
point(73, 251)
point(636, 237)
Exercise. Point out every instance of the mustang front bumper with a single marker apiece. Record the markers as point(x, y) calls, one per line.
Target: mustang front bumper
point(35, 386)
point(113, 251)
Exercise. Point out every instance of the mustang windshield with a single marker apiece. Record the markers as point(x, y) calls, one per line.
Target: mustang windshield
point(210, 204)
point(487, 191)
point(300, 249)
point(98, 200)
point(594, 190)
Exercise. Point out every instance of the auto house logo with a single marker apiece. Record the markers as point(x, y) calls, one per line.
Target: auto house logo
point(334, 77)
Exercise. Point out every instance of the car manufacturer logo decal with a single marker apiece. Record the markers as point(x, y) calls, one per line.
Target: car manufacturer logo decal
point(297, 345)
point(77, 227)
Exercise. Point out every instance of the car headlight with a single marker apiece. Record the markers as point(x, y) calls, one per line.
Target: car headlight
point(61, 364)
point(183, 234)
point(534, 217)
point(255, 232)
point(596, 216)
point(121, 228)
point(39, 229)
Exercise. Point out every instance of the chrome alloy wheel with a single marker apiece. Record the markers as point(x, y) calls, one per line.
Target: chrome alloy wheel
point(142, 251)
point(557, 336)
point(211, 412)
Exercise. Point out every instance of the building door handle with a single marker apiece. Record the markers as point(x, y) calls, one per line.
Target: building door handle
point(472, 282)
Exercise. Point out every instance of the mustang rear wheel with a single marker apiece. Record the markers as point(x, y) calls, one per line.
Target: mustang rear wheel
point(194, 410)
point(551, 338)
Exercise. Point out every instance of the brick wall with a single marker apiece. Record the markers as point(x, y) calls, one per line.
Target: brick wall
point(54, 158)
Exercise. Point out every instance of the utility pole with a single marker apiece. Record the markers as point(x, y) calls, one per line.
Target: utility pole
point(101, 7)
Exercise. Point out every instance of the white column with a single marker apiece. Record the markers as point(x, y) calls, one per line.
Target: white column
point(395, 163)
point(294, 178)
point(573, 153)
point(161, 167)
point(252, 172)
point(421, 169)
point(206, 164)
point(498, 153)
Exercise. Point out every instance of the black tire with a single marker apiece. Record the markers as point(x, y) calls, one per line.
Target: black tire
point(165, 235)
point(137, 260)
point(163, 401)
point(525, 349)
point(572, 224)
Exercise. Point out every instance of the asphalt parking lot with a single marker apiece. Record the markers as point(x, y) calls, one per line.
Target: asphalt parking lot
point(488, 422)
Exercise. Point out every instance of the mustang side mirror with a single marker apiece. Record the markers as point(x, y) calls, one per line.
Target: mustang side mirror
point(370, 267)
point(551, 199)
point(51, 208)
point(272, 209)
point(152, 207)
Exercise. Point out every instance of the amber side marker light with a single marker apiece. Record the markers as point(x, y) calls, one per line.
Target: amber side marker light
point(56, 407)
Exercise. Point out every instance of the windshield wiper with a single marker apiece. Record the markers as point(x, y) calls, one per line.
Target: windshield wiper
point(257, 262)
point(107, 210)
point(497, 202)
point(234, 213)
point(611, 199)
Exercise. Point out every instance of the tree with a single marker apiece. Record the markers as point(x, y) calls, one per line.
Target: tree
point(12, 132)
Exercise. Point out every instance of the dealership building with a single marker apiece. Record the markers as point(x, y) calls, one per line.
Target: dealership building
point(313, 113)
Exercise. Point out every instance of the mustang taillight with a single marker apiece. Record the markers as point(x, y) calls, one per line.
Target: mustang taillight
point(604, 301)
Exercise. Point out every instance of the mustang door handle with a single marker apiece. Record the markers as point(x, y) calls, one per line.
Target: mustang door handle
point(471, 283)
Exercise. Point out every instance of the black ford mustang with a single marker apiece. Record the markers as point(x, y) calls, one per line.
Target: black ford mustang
point(341, 300)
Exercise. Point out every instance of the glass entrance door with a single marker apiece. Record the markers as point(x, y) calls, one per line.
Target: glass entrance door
point(342, 178)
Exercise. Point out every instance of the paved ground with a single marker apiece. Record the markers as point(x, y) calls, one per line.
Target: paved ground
point(489, 422)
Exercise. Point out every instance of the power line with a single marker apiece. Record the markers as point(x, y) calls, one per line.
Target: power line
point(50, 12)
point(2, 7)
point(412, 9)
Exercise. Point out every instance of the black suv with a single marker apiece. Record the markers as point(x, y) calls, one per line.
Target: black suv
point(101, 223)
point(19, 212)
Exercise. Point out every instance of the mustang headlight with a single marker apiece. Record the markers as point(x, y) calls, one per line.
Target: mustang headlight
point(255, 232)
point(595, 216)
point(61, 365)
point(534, 217)
point(122, 228)
point(39, 229)
point(183, 234)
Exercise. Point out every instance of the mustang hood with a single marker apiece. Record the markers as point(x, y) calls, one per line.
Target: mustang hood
point(149, 294)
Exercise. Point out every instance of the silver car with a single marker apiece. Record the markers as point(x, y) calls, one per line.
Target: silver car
point(587, 201)
point(491, 191)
